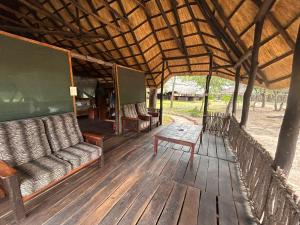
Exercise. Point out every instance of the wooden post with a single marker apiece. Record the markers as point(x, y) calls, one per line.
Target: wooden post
point(253, 71)
point(208, 78)
point(172, 95)
point(289, 131)
point(162, 92)
point(236, 90)
point(152, 99)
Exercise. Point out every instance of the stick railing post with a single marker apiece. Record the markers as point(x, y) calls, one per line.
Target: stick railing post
point(161, 92)
point(289, 131)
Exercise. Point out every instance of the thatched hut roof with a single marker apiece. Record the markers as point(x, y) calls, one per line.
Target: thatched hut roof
point(141, 33)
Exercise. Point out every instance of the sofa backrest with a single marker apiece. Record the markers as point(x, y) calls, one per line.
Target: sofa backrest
point(62, 131)
point(141, 108)
point(22, 141)
point(130, 111)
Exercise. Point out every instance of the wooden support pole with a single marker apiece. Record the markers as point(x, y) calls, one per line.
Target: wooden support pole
point(162, 92)
point(289, 131)
point(253, 71)
point(152, 99)
point(208, 78)
point(236, 89)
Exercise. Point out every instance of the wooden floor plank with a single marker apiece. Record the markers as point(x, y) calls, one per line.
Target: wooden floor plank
point(201, 178)
point(204, 146)
point(103, 209)
point(191, 171)
point(181, 167)
point(227, 212)
point(172, 209)
point(207, 214)
point(225, 186)
point(212, 149)
point(170, 168)
point(190, 208)
point(221, 153)
point(135, 211)
point(212, 184)
point(157, 204)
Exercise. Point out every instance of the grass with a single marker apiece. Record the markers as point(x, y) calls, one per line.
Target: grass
point(192, 109)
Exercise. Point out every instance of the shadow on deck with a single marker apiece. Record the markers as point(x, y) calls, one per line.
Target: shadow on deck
point(136, 187)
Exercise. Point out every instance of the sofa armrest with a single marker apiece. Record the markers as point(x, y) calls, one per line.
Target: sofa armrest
point(6, 170)
point(130, 119)
point(154, 114)
point(93, 138)
point(145, 117)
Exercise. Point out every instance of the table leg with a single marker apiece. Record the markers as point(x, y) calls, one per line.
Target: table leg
point(192, 152)
point(155, 143)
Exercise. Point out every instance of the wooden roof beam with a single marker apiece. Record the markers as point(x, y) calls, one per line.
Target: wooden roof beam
point(218, 29)
point(116, 13)
point(50, 32)
point(95, 16)
point(90, 59)
point(174, 4)
point(263, 10)
point(191, 56)
point(178, 42)
point(278, 26)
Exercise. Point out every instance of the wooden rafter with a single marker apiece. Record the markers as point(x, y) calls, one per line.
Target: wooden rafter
point(95, 16)
point(278, 26)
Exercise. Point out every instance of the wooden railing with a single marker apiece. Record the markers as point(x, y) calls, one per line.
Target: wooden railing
point(272, 199)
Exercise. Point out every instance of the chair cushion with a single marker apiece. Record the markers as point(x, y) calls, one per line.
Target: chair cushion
point(141, 108)
point(80, 154)
point(41, 172)
point(144, 124)
point(63, 131)
point(130, 111)
point(154, 120)
point(22, 141)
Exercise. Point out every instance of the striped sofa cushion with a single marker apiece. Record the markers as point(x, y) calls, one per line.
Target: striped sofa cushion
point(141, 108)
point(22, 141)
point(63, 131)
point(130, 111)
point(80, 154)
point(38, 173)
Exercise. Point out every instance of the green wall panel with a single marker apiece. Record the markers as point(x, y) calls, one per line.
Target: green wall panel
point(34, 80)
point(131, 86)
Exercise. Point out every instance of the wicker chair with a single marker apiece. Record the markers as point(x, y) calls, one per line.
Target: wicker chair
point(132, 121)
point(143, 111)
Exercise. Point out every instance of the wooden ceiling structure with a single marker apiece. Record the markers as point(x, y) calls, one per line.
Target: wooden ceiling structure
point(143, 33)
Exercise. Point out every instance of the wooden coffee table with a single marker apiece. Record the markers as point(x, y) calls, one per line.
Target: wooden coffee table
point(179, 134)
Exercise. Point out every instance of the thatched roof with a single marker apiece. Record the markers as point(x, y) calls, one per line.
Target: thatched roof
point(141, 33)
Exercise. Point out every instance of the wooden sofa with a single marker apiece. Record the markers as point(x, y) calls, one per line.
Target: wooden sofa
point(37, 153)
point(132, 121)
point(143, 111)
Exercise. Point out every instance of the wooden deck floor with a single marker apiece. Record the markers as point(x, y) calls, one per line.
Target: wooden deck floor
point(136, 187)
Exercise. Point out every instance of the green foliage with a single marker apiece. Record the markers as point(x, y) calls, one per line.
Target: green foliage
point(226, 98)
point(195, 112)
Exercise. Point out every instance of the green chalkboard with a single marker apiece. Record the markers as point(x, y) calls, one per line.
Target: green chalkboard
point(34, 80)
point(132, 87)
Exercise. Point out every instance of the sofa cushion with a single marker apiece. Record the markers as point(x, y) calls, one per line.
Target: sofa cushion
point(130, 111)
point(22, 141)
point(142, 109)
point(154, 120)
point(38, 173)
point(63, 131)
point(144, 124)
point(80, 154)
